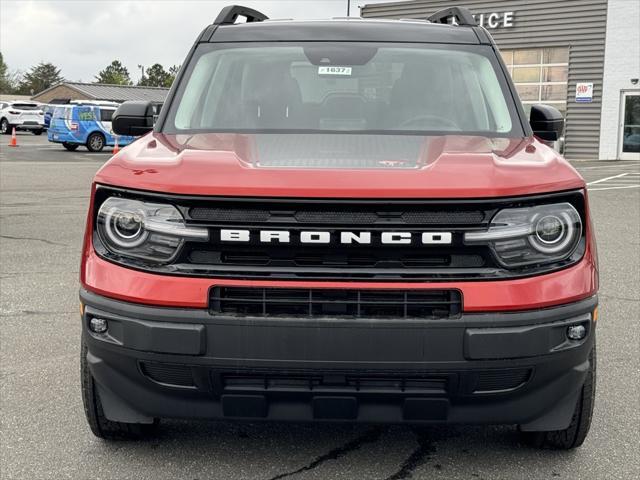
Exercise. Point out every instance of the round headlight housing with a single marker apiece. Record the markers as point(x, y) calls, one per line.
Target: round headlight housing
point(125, 228)
point(535, 235)
point(150, 231)
point(553, 233)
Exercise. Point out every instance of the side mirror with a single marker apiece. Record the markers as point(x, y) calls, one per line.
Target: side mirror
point(546, 122)
point(133, 118)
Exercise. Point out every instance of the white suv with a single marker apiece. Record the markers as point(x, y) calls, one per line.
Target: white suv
point(22, 116)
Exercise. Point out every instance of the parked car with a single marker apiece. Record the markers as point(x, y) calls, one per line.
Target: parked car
point(343, 220)
point(87, 124)
point(21, 116)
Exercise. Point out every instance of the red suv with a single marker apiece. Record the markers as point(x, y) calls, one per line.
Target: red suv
point(343, 220)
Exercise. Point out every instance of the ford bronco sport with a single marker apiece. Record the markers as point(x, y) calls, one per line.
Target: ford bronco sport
point(343, 220)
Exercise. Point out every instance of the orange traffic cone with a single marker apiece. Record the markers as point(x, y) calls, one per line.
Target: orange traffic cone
point(116, 149)
point(14, 140)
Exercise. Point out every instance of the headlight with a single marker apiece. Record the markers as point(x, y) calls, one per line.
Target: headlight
point(151, 231)
point(534, 235)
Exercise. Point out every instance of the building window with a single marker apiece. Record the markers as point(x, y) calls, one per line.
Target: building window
point(540, 75)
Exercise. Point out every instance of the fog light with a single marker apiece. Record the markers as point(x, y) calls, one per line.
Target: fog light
point(576, 332)
point(98, 325)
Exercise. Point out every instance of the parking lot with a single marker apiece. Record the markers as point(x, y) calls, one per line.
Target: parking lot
point(43, 199)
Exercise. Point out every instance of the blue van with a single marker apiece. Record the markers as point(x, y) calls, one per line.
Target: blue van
point(86, 124)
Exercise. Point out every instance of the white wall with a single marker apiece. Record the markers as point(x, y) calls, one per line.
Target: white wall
point(622, 63)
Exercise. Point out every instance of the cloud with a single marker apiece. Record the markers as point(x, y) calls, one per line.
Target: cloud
point(83, 36)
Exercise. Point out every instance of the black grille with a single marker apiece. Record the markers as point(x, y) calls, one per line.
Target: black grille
point(370, 260)
point(168, 374)
point(314, 257)
point(501, 380)
point(431, 304)
point(359, 218)
point(337, 260)
point(431, 217)
point(339, 215)
point(450, 383)
point(229, 215)
point(301, 383)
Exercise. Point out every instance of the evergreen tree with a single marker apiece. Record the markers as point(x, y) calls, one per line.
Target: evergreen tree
point(39, 78)
point(114, 74)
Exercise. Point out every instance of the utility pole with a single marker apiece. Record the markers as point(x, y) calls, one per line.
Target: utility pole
point(348, 8)
point(141, 67)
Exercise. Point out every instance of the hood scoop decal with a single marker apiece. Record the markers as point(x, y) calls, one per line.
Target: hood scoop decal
point(338, 151)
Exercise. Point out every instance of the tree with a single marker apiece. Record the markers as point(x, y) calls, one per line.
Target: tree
point(157, 76)
point(39, 78)
point(115, 74)
point(4, 76)
point(173, 71)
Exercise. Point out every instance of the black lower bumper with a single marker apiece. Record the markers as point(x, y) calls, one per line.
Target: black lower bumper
point(501, 368)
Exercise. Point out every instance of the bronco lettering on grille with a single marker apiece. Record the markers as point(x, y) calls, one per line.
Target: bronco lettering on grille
point(343, 237)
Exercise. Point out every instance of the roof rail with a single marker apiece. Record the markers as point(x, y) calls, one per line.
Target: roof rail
point(229, 15)
point(460, 16)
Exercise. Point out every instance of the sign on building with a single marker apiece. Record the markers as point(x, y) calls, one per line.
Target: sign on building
point(584, 92)
point(495, 19)
point(491, 20)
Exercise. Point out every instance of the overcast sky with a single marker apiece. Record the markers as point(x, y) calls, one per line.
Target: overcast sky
point(83, 36)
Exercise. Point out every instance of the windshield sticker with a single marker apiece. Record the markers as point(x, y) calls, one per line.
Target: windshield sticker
point(334, 70)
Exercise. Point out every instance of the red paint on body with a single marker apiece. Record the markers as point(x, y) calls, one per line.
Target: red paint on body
point(449, 167)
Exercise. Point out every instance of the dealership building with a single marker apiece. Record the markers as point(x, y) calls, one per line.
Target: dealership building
point(581, 56)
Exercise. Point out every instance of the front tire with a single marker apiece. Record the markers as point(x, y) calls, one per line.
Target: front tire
point(95, 142)
point(5, 128)
point(99, 424)
point(574, 435)
point(70, 146)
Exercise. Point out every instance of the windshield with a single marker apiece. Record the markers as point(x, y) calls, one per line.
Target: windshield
point(343, 87)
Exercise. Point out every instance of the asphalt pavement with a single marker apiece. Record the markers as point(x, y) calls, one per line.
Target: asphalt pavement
point(44, 194)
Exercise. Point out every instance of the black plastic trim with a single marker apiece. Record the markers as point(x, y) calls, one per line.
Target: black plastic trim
point(228, 15)
point(541, 390)
point(463, 16)
point(172, 197)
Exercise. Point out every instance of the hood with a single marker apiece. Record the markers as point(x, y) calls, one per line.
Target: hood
point(339, 166)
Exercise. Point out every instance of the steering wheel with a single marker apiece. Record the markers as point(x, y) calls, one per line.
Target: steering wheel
point(430, 120)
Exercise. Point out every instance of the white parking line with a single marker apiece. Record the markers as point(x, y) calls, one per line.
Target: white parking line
point(35, 163)
point(599, 167)
point(607, 178)
point(613, 188)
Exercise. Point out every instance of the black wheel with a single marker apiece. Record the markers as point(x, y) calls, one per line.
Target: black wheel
point(99, 424)
point(95, 142)
point(38, 132)
point(70, 146)
point(574, 435)
point(5, 128)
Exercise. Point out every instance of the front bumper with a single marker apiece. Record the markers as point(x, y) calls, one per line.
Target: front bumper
point(501, 368)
